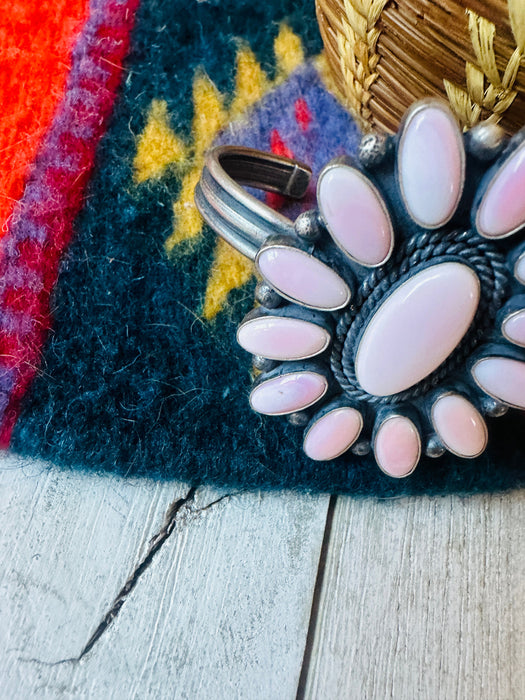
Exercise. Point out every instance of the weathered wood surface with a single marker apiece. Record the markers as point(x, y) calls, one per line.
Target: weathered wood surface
point(113, 588)
point(220, 609)
point(423, 598)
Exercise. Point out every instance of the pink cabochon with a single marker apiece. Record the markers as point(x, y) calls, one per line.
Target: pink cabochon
point(502, 378)
point(333, 433)
point(417, 328)
point(513, 328)
point(302, 278)
point(459, 425)
point(397, 446)
point(502, 209)
point(282, 338)
point(431, 165)
point(288, 393)
point(519, 269)
point(354, 212)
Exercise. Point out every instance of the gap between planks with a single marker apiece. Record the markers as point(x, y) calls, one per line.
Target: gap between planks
point(316, 600)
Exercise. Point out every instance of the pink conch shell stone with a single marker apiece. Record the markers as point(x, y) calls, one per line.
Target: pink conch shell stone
point(288, 393)
point(502, 209)
point(333, 433)
point(397, 446)
point(519, 269)
point(502, 378)
point(355, 215)
point(513, 328)
point(302, 278)
point(459, 425)
point(282, 338)
point(431, 165)
point(417, 328)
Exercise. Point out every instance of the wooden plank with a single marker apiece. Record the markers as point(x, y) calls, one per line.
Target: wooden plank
point(162, 591)
point(68, 542)
point(422, 598)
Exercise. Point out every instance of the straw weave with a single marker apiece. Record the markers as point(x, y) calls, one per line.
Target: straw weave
point(383, 55)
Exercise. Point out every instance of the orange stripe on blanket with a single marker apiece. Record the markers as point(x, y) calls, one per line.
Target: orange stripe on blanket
point(36, 38)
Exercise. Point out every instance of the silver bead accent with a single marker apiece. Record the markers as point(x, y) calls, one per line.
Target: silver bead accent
point(493, 408)
point(435, 447)
point(263, 364)
point(373, 149)
point(485, 141)
point(299, 419)
point(267, 296)
point(307, 226)
point(361, 448)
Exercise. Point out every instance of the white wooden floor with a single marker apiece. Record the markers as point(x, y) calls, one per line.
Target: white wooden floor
point(113, 588)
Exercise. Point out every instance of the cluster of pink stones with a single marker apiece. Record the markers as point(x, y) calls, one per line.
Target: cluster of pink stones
point(418, 326)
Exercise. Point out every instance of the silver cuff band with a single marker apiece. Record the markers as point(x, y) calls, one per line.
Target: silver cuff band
point(242, 220)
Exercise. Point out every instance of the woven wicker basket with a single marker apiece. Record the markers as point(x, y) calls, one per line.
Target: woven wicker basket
point(383, 55)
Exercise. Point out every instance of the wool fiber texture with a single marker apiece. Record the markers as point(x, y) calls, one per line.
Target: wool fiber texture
point(141, 373)
point(41, 224)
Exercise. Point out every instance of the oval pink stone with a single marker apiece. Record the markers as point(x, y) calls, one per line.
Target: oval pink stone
point(288, 393)
point(502, 209)
point(519, 269)
point(513, 328)
point(459, 426)
point(502, 378)
point(397, 446)
point(431, 165)
point(355, 215)
point(302, 278)
point(282, 338)
point(417, 328)
point(333, 433)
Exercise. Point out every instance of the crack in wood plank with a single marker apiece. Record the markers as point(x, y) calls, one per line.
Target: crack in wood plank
point(155, 543)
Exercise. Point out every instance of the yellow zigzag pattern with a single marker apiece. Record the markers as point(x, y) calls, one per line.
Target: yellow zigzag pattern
point(159, 148)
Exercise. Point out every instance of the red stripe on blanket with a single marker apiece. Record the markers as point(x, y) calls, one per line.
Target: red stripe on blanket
point(36, 38)
point(42, 221)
